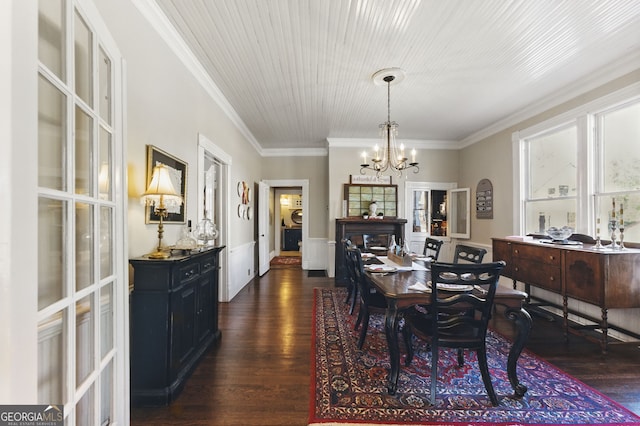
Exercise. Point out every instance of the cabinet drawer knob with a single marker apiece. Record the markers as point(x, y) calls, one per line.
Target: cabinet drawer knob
point(516, 251)
point(552, 279)
point(552, 257)
point(516, 268)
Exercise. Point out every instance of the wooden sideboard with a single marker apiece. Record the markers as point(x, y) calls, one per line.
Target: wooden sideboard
point(348, 228)
point(609, 279)
point(174, 320)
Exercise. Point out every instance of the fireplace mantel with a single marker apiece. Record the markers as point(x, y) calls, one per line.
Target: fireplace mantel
point(348, 227)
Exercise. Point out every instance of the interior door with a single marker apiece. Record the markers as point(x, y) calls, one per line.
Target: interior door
point(263, 228)
point(82, 291)
point(459, 213)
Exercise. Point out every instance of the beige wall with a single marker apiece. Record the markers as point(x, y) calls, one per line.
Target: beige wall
point(492, 158)
point(168, 108)
point(314, 169)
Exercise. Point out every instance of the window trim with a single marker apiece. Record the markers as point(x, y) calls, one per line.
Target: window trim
point(584, 118)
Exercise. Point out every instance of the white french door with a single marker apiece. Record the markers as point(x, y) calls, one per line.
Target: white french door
point(82, 302)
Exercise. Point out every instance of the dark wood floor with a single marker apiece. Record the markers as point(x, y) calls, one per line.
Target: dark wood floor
point(258, 374)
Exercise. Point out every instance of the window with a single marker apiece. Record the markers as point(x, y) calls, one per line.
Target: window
point(583, 169)
point(552, 185)
point(618, 178)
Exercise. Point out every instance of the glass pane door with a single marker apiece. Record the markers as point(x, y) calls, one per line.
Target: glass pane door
point(77, 281)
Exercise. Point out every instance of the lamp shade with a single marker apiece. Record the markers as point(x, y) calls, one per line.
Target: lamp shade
point(161, 185)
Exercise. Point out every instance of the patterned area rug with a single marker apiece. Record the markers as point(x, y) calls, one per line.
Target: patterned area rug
point(286, 260)
point(348, 386)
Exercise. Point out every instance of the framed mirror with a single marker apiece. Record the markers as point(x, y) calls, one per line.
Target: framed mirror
point(296, 216)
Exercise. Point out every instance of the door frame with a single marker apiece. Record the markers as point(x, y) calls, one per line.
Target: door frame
point(223, 205)
point(263, 228)
point(304, 184)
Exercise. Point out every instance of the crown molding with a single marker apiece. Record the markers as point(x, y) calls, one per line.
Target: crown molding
point(295, 152)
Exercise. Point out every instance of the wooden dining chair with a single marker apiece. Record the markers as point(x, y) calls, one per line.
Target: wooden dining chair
point(468, 254)
point(370, 300)
point(352, 285)
point(376, 243)
point(458, 289)
point(432, 248)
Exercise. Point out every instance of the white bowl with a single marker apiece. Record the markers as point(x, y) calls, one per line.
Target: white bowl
point(560, 234)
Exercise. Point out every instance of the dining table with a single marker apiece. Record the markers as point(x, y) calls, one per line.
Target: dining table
point(400, 284)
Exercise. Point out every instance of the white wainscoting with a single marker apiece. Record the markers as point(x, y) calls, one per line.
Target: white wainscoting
point(314, 254)
point(331, 259)
point(241, 268)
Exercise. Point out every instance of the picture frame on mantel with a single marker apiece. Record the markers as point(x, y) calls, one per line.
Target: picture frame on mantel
point(178, 172)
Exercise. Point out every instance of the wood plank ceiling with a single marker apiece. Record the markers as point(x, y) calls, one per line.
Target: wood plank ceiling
point(299, 71)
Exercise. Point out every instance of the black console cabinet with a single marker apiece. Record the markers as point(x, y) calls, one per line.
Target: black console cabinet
point(292, 238)
point(174, 320)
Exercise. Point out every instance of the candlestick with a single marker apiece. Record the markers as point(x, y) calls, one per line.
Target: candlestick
point(413, 155)
point(613, 210)
point(612, 227)
point(621, 213)
point(364, 157)
point(598, 245)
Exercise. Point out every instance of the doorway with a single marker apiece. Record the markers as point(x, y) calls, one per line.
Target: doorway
point(273, 217)
point(289, 215)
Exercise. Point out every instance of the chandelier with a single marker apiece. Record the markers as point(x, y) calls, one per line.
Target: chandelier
point(390, 156)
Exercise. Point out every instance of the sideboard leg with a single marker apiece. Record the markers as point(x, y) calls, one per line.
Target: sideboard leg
point(565, 316)
point(605, 330)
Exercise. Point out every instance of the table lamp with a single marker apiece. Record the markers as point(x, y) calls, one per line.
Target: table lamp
point(159, 193)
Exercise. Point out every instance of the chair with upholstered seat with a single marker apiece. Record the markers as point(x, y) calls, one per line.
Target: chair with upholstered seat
point(370, 300)
point(432, 248)
point(468, 254)
point(448, 323)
